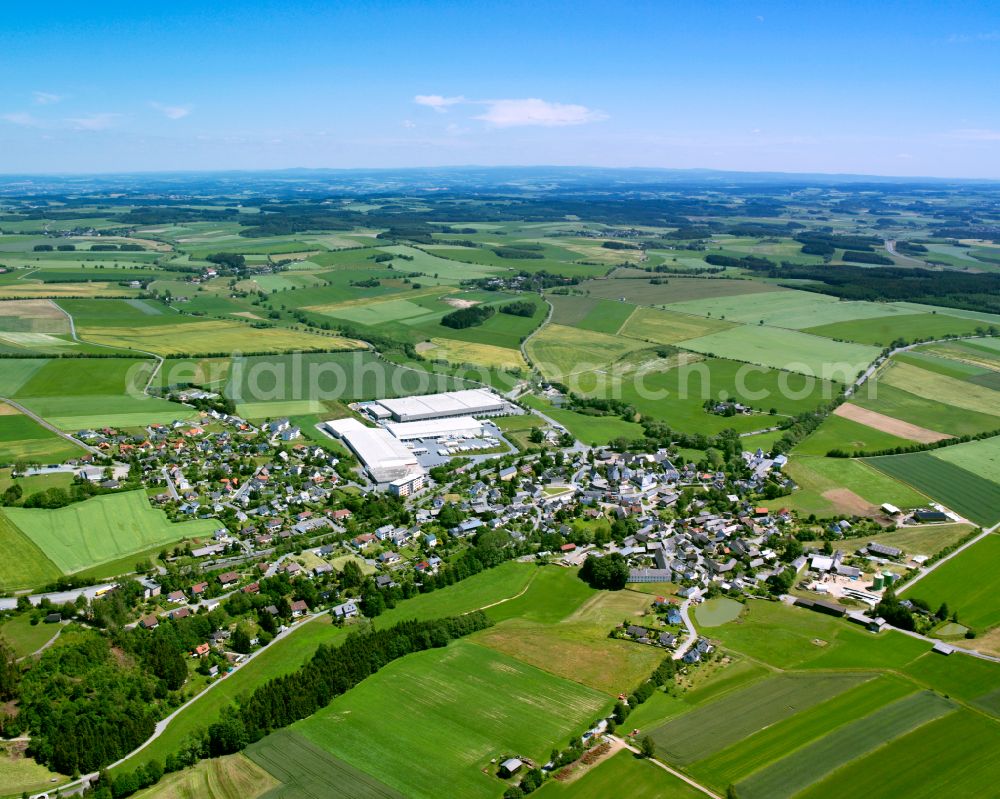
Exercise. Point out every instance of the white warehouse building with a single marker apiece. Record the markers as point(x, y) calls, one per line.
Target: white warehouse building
point(384, 456)
point(458, 426)
point(469, 402)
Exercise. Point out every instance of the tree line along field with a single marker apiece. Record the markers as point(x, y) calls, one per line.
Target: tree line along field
point(89, 533)
point(485, 589)
point(528, 710)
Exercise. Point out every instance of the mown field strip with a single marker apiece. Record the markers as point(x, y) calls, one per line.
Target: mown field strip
point(790, 775)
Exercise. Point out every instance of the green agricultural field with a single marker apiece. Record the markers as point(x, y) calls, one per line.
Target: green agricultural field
point(559, 352)
point(229, 777)
point(212, 336)
point(674, 390)
point(102, 529)
point(23, 439)
point(923, 539)
point(75, 394)
point(786, 637)
point(941, 388)
point(957, 755)
point(20, 774)
point(595, 430)
point(713, 726)
point(791, 309)
point(975, 497)
point(560, 625)
point(325, 377)
point(675, 289)
point(305, 771)
point(829, 486)
point(485, 589)
point(787, 349)
point(528, 711)
point(836, 432)
point(24, 564)
point(623, 774)
point(928, 413)
point(667, 327)
point(883, 331)
point(969, 583)
point(589, 313)
point(25, 637)
point(770, 745)
point(979, 457)
point(790, 775)
point(17, 372)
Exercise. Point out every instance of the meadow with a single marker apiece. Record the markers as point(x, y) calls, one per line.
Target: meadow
point(589, 313)
point(622, 774)
point(969, 583)
point(212, 336)
point(306, 771)
point(560, 352)
point(447, 690)
point(884, 330)
point(941, 388)
point(80, 393)
point(670, 327)
point(639, 291)
point(23, 439)
point(228, 777)
point(787, 349)
point(22, 563)
point(849, 486)
point(979, 457)
point(102, 529)
point(792, 309)
point(561, 626)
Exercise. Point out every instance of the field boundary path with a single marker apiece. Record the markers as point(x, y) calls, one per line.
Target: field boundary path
point(527, 338)
point(696, 785)
point(72, 331)
point(51, 428)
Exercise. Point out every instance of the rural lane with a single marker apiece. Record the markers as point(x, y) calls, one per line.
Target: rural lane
point(51, 428)
point(696, 785)
point(947, 557)
point(692, 632)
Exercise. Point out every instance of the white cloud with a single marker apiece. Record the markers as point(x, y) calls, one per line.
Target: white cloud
point(22, 118)
point(171, 111)
point(532, 111)
point(437, 102)
point(975, 134)
point(46, 98)
point(409, 124)
point(94, 121)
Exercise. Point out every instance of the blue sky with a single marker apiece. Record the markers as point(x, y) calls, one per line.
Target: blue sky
point(892, 88)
